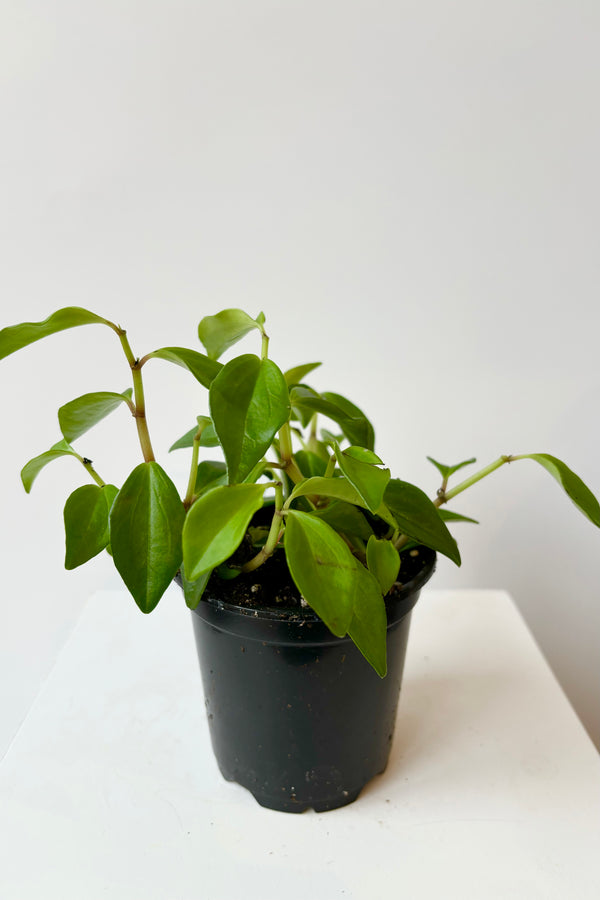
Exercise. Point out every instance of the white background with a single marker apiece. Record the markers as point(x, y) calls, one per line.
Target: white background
point(410, 192)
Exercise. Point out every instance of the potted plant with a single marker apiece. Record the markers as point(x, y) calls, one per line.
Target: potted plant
point(297, 552)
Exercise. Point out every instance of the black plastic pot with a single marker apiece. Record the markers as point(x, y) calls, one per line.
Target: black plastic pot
point(297, 715)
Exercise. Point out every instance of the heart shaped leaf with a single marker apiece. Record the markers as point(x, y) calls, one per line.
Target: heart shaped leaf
point(249, 403)
point(145, 533)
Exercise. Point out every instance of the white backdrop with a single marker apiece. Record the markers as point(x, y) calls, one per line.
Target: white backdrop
point(410, 192)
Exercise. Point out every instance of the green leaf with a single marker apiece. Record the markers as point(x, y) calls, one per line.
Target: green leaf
point(145, 533)
point(354, 424)
point(323, 569)
point(222, 331)
point(216, 525)
point(31, 470)
point(298, 373)
point(86, 522)
point(447, 471)
point(571, 483)
point(449, 516)
point(202, 368)
point(369, 481)
point(78, 416)
point(368, 628)
point(361, 431)
point(418, 518)
point(338, 488)
point(249, 403)
point(309, 463)
point(345, 518)
point(211, 473)
point(193, 590)
point(209, 438)
point(383, 561)
point(363, 455)
point(15, 337)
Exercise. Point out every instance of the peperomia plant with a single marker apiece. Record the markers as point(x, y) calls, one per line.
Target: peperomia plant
point(333, 509)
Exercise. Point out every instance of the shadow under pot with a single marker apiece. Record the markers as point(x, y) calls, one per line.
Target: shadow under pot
point(296, 715)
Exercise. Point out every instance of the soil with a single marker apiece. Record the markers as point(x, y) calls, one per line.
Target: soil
point(271, 585)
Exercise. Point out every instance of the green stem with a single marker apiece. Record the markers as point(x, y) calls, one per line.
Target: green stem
point(138, 393)
point(444, 496)
point(87, 465)
point(264, 350)
point(274, 535)
point(287, 456)
point(330, 467)
point(189, 494)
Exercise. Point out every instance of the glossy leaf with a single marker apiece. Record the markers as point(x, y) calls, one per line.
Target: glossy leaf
point(361, 431)
point(338, 488)
point(419, 519)
point(216, 525)
point(323, 569)
point(309, 463)
point(31, 469)
point(211, 473)
point(208, 439)
point(193, 590)
point(571, 483)
point(299, 373)
point(383, 561)
point(248, 403)
point(369, 481)
point(345, 518)
point(355, 426)
point(222, 331)
point(368, 628)
point(447, 471)
point(201, 367)
point(81, 414)
point(15, 337)
point(145, 533)
point(361, 454)
point(86, 522)
point(449, 515)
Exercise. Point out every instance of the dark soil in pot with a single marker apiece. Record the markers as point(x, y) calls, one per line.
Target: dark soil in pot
point(297, 715)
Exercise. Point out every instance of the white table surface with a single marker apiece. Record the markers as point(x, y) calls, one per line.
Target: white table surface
point(110, 790)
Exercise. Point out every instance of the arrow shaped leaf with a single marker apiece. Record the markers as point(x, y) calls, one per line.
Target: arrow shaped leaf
point(202, 367)
point(571, 483)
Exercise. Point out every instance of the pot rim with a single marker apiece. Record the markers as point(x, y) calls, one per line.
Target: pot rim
point(402, 602)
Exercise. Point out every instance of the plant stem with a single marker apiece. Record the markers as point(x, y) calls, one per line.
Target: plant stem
point(330, 467)
point(138, 393)
point(87, 465)
point(189, 494)
point(264, 350)
point(274, 535)
point(287, 456)
point(444, 496)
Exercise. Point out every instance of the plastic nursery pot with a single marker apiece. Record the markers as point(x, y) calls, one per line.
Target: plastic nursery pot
point(297, 715)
